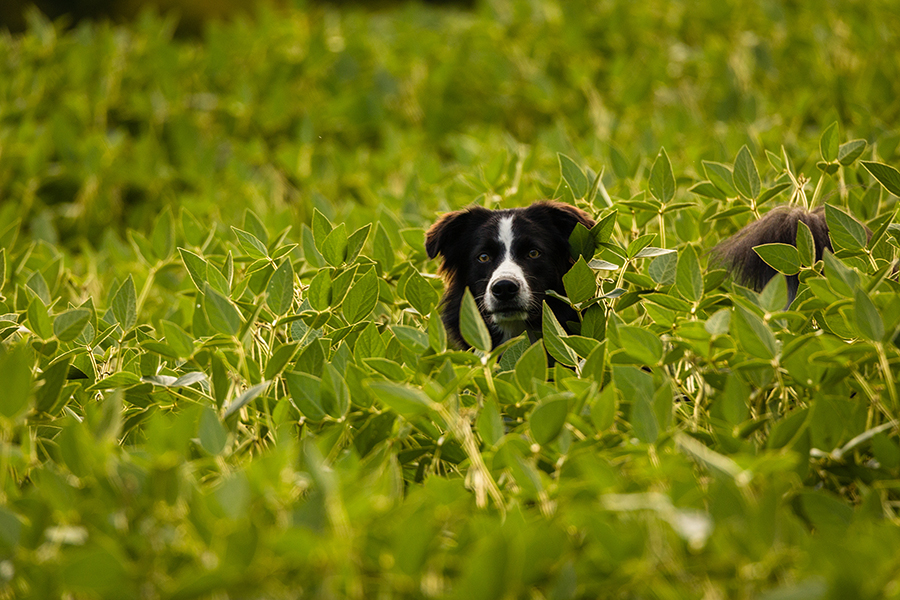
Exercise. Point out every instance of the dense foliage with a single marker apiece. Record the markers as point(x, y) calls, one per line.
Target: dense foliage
point(223, 371)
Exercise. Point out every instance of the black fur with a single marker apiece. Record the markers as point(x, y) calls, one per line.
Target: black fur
point(460, 237)
point(777, 226)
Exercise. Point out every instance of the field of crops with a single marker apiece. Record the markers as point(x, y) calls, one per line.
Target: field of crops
point(223, 370)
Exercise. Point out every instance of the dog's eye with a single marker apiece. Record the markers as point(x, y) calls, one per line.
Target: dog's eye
point(484, 257)
point(534, 253)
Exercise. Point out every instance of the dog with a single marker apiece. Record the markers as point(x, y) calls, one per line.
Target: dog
point(776, 226)
point(509, 259)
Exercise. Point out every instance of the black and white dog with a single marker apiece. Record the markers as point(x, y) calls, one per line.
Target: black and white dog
point(509, 259)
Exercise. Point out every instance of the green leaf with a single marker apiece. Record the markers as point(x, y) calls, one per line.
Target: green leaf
point(305, 391)
point(212, 434)
point(386, 367)
point(167, 381)
point(580, 282)
point(341, 283)
point(806, 245)
point(489, 422)
point(842, 278)
point(163, 236)
point(603, 408)
point(178, 339)
point(321, 228)
point(471, 325)
point(771, 193)
point(784, 258)
point(639, 244)
point(774, 296)
point(250, 244)
point(408, 402)
point(196, 267)
point(222, 315)
point(850, 151)
point(868, 319)
point(437, 334)
point(720, 176)
point(752, 334)
point(334, 248)
point(356, 241)
point(218, 281)
point(2, 268)
point(362, 298)
point(886, 175)
point(603, 229)
point(279, 359)
point(707, 190)
point(383, 251)
point(420, 294)
point(688, 276)
point(53, 380)
point(662, 180)
point(120, 379)
point(39, 319)
point(15, 365)
point(245, 398)
point(335, 393)
point(828, 143)
point(581, 242)
point(547, 419)
point(637, 387)
point(553, 338)
point(68, 325)
point(531, 365)
point(662, 268)
point(746, 177)
point(641, 344)
point(775, 161)
point(573, 176)
point(319, 291)
point(653, 252)
point(733, 404)
point(845, 231)
point(280, 290)
point(37, 284)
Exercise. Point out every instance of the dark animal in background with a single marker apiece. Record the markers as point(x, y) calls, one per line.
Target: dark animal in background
point(777, 226)
point(509, 259)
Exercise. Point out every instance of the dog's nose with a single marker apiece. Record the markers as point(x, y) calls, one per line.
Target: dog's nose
point(504, 290)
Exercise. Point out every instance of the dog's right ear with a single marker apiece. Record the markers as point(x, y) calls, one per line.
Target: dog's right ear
point(447, 236)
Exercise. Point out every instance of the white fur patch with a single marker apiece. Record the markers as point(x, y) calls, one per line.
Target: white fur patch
point(508, 269)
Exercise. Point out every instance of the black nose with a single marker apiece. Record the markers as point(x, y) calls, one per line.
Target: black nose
point(505, 290)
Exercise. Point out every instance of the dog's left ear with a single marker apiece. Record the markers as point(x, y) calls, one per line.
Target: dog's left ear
point(563, 217)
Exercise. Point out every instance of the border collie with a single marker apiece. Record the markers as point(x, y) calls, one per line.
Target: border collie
point(509, 259)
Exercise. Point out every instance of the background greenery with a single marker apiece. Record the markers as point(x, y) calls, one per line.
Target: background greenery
point(224, 376)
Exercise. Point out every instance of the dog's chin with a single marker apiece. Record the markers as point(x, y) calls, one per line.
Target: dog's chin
point(510, 322)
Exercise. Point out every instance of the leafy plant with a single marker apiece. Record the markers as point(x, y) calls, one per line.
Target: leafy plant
point(249, 393)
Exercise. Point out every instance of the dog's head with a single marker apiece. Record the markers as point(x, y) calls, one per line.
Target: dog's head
point(508, 258)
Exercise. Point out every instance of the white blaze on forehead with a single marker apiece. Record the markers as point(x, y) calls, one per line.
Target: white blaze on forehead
point(508, 268)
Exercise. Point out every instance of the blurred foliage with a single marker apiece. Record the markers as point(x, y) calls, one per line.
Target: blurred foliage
point(103, 126)
point(224, 374)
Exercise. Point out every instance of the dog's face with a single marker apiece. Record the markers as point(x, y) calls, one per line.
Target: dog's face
point(507, 258)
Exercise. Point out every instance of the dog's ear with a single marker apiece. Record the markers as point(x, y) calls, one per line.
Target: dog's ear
point(447, 236)
point(563, 217)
